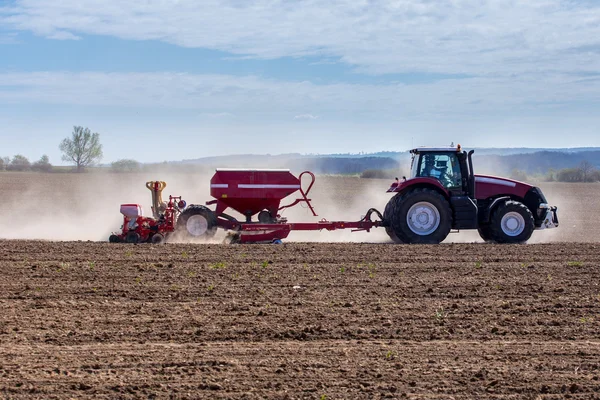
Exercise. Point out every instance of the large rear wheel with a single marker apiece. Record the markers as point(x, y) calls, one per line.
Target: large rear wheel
point(511, 222)
point(420, 216)
point(485, 233)
point(387, 215)
point(197, 222)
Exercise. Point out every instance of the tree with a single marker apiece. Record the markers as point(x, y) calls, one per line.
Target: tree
point(3, 163)
point(586, 169)
point(125, 165)
point(83, 148)
point(569, 175)
point(42, 165)
point(19, 163)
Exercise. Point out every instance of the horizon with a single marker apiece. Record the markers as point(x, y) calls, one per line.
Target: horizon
point(182, 80)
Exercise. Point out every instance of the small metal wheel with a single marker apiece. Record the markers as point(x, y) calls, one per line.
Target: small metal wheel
point(114, 239)
point(157, 238)
point(132, 237)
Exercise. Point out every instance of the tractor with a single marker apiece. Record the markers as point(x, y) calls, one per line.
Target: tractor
point(444, 193)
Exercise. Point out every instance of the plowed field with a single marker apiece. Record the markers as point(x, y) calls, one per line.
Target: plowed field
point(299, 320)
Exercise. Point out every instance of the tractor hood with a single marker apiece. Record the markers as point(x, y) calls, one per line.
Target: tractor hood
point(492, 186)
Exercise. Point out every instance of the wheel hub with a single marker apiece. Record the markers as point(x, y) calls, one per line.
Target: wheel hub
point(197, 225)
point(513, 223)
point(423, 218)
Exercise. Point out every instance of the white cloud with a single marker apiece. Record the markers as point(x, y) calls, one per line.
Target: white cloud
point(218, 96)
point(63, 35)
point(306, 116)
point(489, 37)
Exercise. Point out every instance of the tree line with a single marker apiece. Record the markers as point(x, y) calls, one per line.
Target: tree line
point(82, 149)
point(585, 172)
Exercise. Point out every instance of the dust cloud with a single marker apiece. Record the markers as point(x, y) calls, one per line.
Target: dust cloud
point(83, 206)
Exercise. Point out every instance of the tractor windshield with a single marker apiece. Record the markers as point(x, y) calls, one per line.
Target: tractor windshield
point(441, 166)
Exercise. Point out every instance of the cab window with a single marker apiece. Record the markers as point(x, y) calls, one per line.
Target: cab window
point(443, 167)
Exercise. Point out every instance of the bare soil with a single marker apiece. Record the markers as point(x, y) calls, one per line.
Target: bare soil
point(299, 321)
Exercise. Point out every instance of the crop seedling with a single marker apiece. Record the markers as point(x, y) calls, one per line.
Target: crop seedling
point(184, 254)
point(342, 270)
point(91, 265)
point(138, 280)
point(440, 315)
point(390, 355)
point(192, 274)
point(477, 264)
point(574, 263)
point(128, 253)
point(265, 264)
point(63, 266)
point(211, 287)
point(219, 265)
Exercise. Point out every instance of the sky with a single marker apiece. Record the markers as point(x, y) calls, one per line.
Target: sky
point(183, 79)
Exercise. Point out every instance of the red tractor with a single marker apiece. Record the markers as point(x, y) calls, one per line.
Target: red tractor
point(444, 193)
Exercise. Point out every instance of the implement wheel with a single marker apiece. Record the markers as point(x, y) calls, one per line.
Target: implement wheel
point(197, 222)
point(420, 216)
point(132, 237)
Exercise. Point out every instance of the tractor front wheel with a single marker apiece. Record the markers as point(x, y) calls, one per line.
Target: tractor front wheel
point(511, 222)
point(197, 222)
point(420, 216)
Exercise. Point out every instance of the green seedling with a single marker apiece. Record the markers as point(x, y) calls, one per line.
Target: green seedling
point(440, 315)
point(574, 263)
point(128, 253)
point(265, 264)
point(390, 355)
point(219, 265)
point(63, 266)
point(477, 264)
point(211, 287)
point(342, 270)
point(184, 254)
point(91, 265)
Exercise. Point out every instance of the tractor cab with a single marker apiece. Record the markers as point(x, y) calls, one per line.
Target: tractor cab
point(450, 166)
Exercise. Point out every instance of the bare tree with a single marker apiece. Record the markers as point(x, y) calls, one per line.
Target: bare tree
point(83, 148)
point(586, 168)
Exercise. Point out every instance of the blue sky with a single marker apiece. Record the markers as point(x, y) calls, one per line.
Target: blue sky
point(179, 79)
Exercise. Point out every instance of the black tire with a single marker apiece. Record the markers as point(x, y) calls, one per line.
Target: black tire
point(132, 237)
point(485, 232)
point(209, 219)
point(435, 201)
point(502, 234)
point(387, 213)
point(265, 217)
point(114, 239)
point(157, 238)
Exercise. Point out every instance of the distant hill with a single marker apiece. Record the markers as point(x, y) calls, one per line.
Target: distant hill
point(487, 160)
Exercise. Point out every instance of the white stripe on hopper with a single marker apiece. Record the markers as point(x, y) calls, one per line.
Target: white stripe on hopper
point(219, 185)
point(266, 186)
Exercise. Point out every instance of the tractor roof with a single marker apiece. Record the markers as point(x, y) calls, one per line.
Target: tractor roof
point(434, 149)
